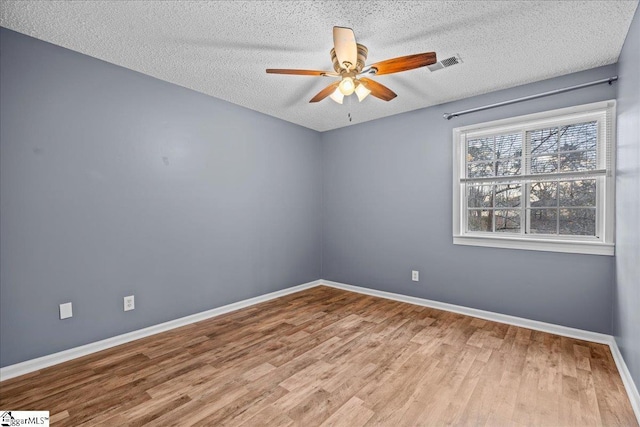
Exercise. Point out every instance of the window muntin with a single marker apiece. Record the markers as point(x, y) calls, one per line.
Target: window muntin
point(547, 178)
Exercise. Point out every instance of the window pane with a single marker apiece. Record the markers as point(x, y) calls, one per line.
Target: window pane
point(544, 140)
point(578, 161)
point(507, 221)
point(578, 222)
point(544, 164)
point(578, 193)
point(543, 194)
point(580, 136)
point(480, 149)
point(544, 221)
point(508, 167)
point(475, 170)
point(479, 196)
point(508, 146)
point(480, 220)
point(508, 195)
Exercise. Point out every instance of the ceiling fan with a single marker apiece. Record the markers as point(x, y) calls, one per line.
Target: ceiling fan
point(348, 59)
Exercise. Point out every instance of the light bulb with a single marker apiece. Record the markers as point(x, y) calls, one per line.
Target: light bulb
point(337, 96)
point(347, 86)
point(362, 91)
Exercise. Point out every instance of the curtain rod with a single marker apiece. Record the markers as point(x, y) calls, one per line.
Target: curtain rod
point(609, 80)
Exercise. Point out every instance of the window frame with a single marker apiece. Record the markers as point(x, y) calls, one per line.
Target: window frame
point(601, 244)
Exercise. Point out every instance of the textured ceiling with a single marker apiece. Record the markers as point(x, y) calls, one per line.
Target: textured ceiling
point(222, 48)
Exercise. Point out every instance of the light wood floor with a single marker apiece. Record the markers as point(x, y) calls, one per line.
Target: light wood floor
point(329, 357)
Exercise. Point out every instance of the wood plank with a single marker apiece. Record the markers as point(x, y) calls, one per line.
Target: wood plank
point(352, 413)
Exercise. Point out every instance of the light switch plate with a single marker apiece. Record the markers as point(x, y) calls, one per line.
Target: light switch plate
point(66, 310)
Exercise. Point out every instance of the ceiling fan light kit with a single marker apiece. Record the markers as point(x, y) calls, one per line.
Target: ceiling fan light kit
point(361, 91)
point(348, 59)
point(347, 86)
point(337, 96)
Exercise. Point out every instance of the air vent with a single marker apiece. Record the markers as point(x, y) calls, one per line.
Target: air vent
point(448, 62)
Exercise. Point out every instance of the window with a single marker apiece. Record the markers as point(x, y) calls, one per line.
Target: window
point(539, 182)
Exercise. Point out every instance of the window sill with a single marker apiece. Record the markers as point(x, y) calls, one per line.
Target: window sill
point(532, 244)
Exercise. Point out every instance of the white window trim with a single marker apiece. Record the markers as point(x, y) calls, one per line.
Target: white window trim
point(604, 244)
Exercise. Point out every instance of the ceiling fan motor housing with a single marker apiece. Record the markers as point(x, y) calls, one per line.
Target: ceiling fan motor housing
point(362, 57)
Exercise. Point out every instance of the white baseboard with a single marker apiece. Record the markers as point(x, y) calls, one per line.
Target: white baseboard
point(33, 365)
point(627, 380)
point(487, 315)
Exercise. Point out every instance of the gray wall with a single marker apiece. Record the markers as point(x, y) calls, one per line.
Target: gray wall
point(626, 303)
point(387, 210)
point(115, 183)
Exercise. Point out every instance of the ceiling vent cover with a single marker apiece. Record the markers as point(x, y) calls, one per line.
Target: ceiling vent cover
point(448, 62)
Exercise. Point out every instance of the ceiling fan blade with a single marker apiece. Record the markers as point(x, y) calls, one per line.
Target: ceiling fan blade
point(325, 92)
point(378, 90)
point(301, 72)
point(344, 42)
point(404, 63)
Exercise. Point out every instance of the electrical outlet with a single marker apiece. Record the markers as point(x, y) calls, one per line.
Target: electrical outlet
point(415, 275)
point(66, 310)
point(129, 303)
